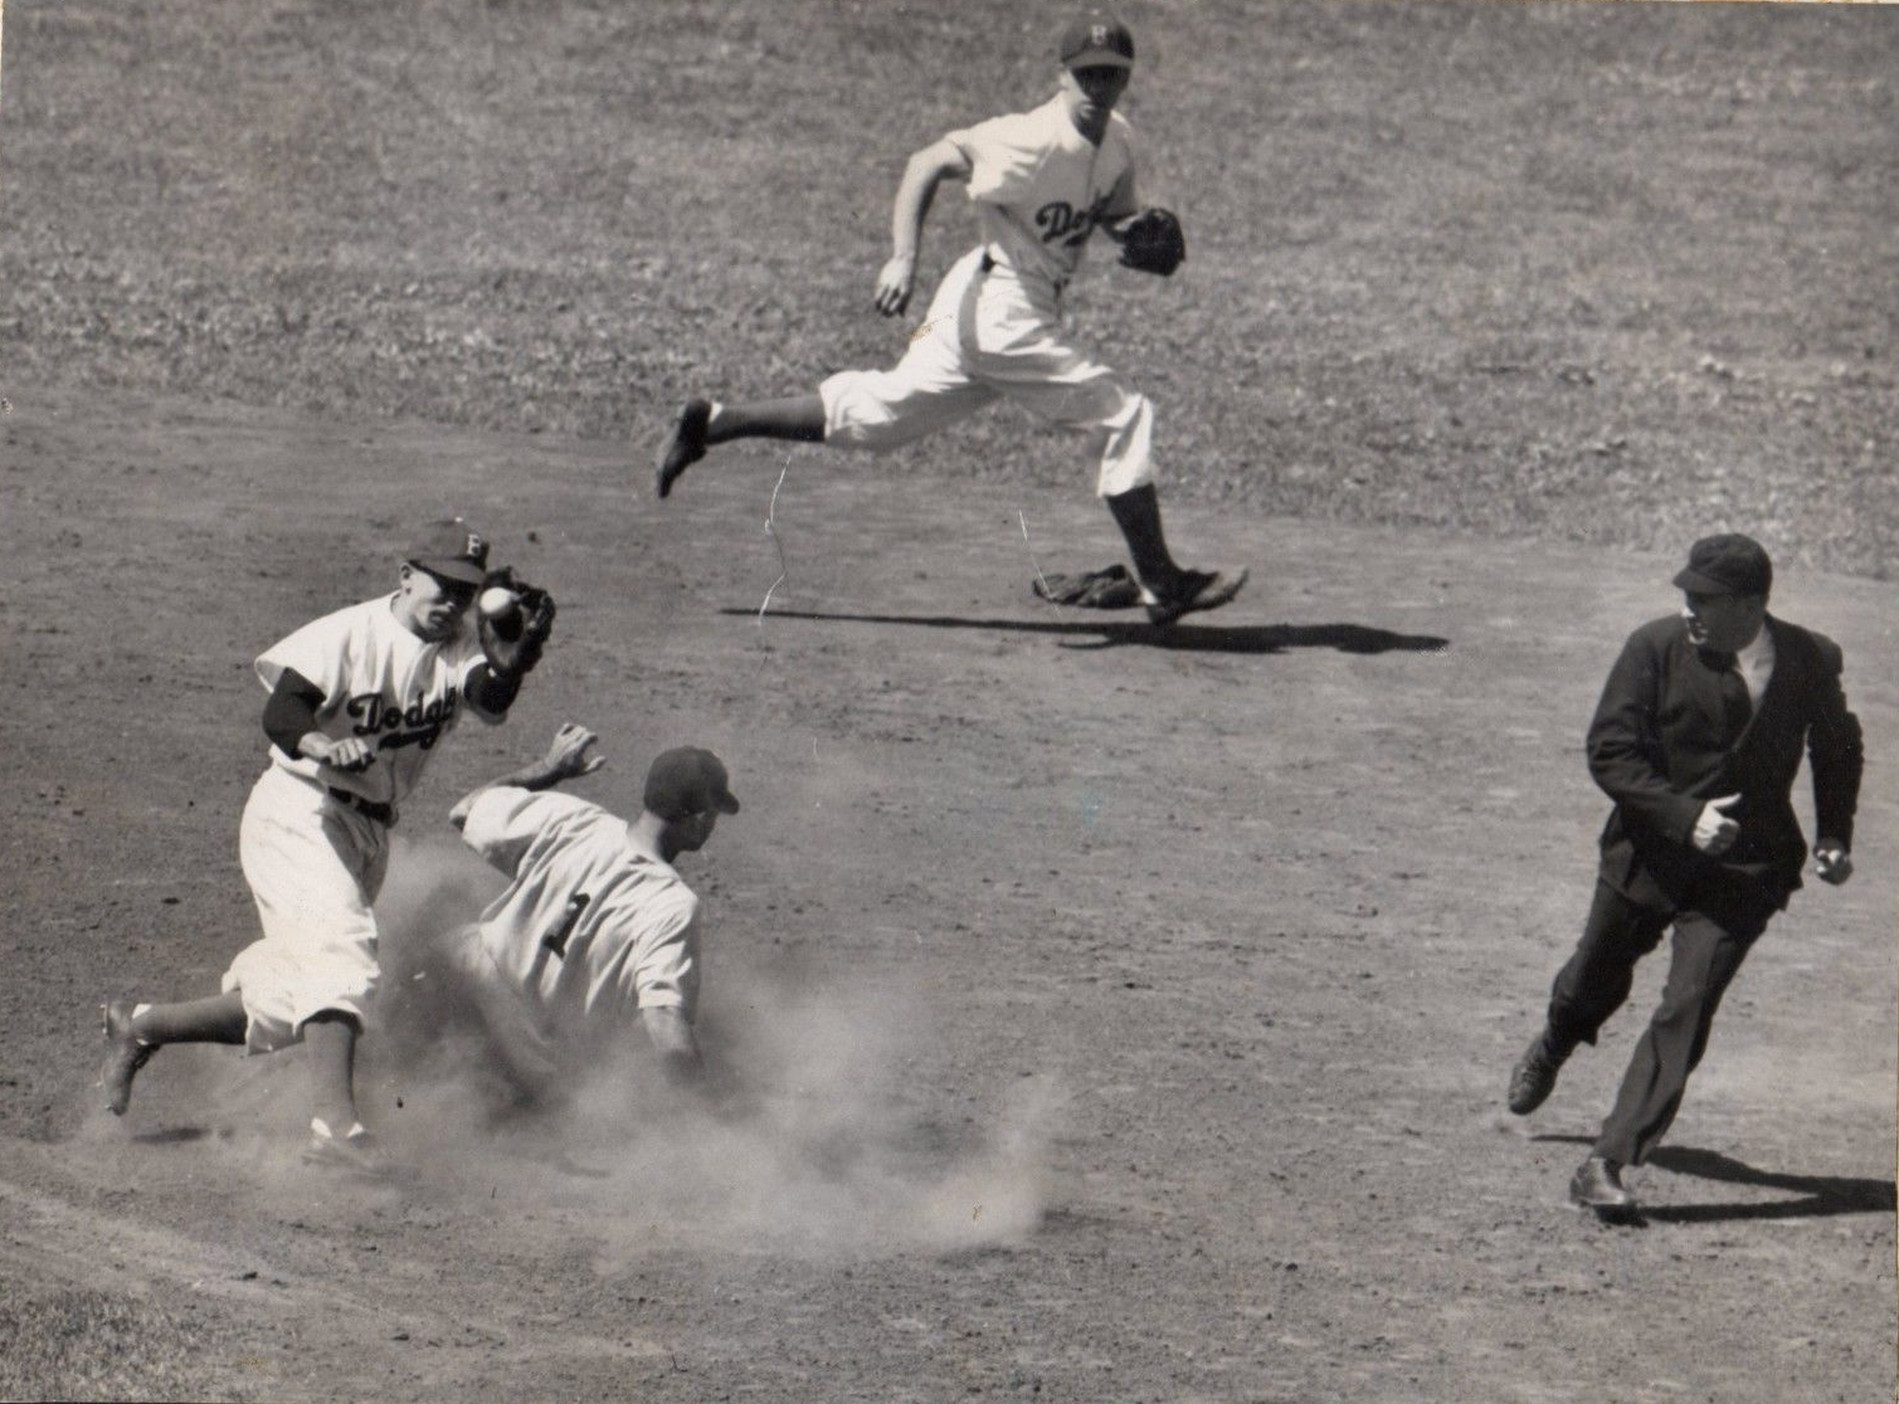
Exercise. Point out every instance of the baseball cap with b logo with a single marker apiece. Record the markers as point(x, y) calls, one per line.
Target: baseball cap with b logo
point(452, 550)
point(686, 781)
point(1094, 40)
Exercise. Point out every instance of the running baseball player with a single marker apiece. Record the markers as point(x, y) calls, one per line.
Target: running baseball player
point(595, 931)
point(1043, 181)
point(359, 701)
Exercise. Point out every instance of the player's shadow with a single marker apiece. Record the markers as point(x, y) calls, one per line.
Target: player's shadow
point(172, 1136)
point(1817, 1196)
point(1182, 638)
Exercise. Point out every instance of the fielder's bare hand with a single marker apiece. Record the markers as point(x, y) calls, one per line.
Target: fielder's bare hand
point(349, 755)
point(567, 757)
point(895, 284)
point(1832, 863)
point(1714, 832)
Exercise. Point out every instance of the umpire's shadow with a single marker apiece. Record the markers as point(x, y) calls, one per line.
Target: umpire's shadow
point(1819, 1196)
point(1180, 638)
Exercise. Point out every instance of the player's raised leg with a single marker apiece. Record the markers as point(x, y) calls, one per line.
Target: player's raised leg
point(876, 410)
point(702, 423)
point(134, 1032)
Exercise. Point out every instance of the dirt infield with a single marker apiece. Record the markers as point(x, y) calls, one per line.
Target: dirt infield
point(1128, 1017)
point(1119, 1016)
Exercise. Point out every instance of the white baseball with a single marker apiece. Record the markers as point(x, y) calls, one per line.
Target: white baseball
point(497, 601)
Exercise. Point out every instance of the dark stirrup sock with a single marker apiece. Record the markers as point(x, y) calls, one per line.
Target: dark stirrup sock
point(1137, 513)
point(799, 418)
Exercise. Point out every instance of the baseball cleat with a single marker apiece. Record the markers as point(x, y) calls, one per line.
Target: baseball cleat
point(1534, 1077)
point(125, 1054)
point(1196, 590)
point(354, 1153)
point(1597, 1185)
point(685, 443)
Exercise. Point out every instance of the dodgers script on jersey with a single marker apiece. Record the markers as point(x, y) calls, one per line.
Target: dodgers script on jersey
point(1041, 187)
point(382, 683)
point(592, 925)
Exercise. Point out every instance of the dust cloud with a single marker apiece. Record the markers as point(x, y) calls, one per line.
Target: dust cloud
point(824, 1126)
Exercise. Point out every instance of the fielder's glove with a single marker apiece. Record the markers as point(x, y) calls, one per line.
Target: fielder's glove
point(1153, 242)
point(1112, 588)
point(514, 642)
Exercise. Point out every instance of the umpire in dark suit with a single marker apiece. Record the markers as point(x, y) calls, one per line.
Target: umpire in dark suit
point(1697, 739)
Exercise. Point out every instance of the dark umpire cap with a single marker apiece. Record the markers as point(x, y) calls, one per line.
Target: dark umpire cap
point(687, 781)
point(1094, 40)
point(453, 550)
point(1730, 564)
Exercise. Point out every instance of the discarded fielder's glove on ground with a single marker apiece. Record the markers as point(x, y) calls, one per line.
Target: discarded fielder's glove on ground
point(514, 645)
point(1112, 588)
point(1154, 242)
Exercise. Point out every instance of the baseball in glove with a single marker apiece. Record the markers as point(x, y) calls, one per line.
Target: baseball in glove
point(1153, 242)
point(514, 642)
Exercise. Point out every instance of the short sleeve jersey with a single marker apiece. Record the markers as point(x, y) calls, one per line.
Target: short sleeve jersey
point(1041, 187)
point(380, 682)
point(591, 922)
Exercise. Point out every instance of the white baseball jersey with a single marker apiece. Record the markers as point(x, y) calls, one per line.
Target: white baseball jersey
point(592, 925)
point(381, 682)
point(1040, 186)
point(1040, 189)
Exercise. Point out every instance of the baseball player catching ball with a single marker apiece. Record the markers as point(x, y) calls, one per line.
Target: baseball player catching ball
point(1043, 181)
point(359, 700)
point(595, 931)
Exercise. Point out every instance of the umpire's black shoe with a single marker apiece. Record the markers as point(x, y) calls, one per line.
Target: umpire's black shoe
point(1196, 590)
point(1534, 1077)
point(685, 444)
point(125, 1054)
point(1597, 1185)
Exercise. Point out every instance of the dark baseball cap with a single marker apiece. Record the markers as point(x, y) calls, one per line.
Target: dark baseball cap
point(1729, 564)
point(1095, 40)
point(686, 781)
point(453, 550)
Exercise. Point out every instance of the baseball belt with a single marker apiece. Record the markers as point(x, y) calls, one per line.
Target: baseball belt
point(384, 814)
point(989, 265)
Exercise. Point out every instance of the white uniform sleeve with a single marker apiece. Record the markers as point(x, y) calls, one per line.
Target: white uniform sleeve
point(504, 821)
point(320, 651)
point(667, 975)
point(1125, 200)
point(1004, 155)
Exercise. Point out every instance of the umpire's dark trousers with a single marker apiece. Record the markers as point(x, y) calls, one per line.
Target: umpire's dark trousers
point(1707, 951)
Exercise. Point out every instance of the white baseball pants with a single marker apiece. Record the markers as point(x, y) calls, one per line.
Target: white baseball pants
point(990, 335)
point(314, 867)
